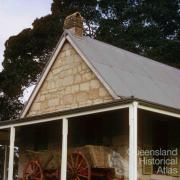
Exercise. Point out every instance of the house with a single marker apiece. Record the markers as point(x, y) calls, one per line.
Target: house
point(97, 112)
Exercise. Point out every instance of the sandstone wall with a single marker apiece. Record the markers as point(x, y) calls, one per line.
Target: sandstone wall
point(69, 84)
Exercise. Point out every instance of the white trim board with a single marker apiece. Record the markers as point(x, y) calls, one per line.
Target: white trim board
point(64, 37)
point(164, 112)
point(67, 116)
point(88, 112)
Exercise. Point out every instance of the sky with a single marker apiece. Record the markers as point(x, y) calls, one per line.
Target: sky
point(15, 15)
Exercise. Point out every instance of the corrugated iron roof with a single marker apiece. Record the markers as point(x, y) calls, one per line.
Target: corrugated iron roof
point(129, 74)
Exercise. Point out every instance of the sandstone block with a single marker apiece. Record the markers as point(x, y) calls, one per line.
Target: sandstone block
point(62, 54)
point(42, 98)
point(75, 88)
point(74, 105)
point(74, 70)
point(51, 85)
point(67, 72)
point(77, 58)
point(58, 83)
point(73, 52)
point(36, 106)
point(84, 67)
point(97, 101)
point(87, 76)
point(68, 99)
point(66, 46)
point(66, 67)
point(68, 52)
point(81, 97)
point(84, 86)
point(102, 92)
point(53, 102)
point(38, 98)
point(68, 90)
point(79, 69)
point(69, 59)
point(68, 80)
point(93, 94)
point(77, 78)
point(44, 105)
point(47, 96)
point(55, 71)
point(94, 84)
point(45, 86)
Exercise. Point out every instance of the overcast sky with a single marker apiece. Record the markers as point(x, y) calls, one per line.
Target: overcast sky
point(15, 15)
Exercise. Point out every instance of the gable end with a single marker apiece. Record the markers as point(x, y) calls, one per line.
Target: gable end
point(70, 83)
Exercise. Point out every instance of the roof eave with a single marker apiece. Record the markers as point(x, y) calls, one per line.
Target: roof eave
point(114, 103)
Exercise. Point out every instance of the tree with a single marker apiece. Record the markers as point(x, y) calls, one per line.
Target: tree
point(10, 108)
point(149, 28)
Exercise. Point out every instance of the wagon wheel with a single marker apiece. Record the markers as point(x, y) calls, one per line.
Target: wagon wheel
point(33, 171)
point(78, 167)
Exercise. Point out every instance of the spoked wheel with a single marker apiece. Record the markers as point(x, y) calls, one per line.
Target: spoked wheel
point(78, 167)
point(33, 171)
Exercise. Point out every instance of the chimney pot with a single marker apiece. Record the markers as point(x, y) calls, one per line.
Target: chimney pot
point(74, 23)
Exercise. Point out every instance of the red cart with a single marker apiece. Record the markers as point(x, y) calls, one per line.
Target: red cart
point(84, 163)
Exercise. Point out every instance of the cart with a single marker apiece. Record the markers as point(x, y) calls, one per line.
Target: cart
point(42, 165)
point(84, 163)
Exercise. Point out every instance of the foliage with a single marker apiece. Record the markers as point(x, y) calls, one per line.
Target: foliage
point(10, 107)
point(150, 28)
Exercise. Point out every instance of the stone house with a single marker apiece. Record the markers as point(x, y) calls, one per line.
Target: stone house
point(97, 112)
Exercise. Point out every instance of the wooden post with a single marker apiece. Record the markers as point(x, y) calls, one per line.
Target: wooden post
point(133, 138)
point(11, 154)
point(64, 149)
point(5, 162)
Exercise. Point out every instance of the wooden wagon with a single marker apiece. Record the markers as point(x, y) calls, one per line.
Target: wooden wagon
point(87, 162)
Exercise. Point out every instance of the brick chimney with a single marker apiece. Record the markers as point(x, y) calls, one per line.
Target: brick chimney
point(74, 23)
